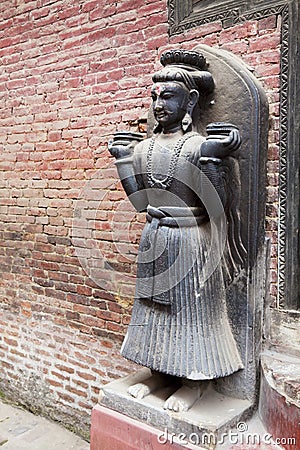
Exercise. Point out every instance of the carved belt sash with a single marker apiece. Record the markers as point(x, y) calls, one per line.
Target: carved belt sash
point(173, 216)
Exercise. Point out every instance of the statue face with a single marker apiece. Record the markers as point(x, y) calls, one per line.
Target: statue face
point(170, 100)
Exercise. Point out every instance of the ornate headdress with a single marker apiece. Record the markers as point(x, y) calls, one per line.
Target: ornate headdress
point(188, 67)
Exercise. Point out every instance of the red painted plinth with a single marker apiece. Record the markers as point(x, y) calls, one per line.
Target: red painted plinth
point(280, 418)
point(111, 430)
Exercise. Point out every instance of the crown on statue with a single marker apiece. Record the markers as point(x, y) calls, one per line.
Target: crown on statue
point(184, 57)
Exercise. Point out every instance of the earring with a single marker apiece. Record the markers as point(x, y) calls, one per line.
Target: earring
point(187, 122)
point(157, 127)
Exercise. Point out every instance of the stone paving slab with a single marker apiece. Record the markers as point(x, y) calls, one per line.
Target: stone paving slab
point(22, 430)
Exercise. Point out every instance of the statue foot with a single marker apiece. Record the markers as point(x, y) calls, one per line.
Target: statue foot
point(151, 384)
point(184, 398)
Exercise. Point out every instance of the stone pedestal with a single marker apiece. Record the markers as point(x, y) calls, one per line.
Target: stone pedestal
point(123, 422)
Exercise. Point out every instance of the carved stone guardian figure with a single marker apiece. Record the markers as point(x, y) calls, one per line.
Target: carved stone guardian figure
point(191, 248)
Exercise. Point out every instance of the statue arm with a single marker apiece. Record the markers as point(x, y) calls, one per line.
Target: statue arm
point(212, 176)
point(132, 184)
point(210, 157)
point(223, 175)
point(208, 178)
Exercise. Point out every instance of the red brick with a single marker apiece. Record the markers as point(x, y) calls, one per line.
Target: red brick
point(86, 376)
point(267, 23)
point(265, 42)
point(103, 11)
point(53, 382)
point(90, 5)
point(70, 78)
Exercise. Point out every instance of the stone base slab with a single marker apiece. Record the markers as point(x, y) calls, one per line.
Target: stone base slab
point(212, 415)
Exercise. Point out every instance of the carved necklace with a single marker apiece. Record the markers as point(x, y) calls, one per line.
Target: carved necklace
point(165, 182)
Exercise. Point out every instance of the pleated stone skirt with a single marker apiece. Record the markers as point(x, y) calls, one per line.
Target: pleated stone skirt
point(190, 337)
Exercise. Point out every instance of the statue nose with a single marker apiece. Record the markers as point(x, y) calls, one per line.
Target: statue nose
point(157, 105)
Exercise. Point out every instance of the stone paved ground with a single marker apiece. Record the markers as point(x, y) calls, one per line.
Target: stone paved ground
point(22, 430)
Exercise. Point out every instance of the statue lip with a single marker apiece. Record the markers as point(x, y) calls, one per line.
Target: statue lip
point(160, 116)
point(160, 113)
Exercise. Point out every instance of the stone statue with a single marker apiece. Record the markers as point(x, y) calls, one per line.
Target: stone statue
point(187, 185)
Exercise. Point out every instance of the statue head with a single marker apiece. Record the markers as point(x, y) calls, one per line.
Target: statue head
point(178, 87)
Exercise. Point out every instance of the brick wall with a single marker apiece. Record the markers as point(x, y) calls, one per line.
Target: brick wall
point(71, 73)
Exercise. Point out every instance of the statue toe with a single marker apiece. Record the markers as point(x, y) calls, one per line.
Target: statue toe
point(183, 399)
point(138, 390)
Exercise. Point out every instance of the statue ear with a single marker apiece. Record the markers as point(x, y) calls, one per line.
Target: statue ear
point(187, 121)
point(193, 99)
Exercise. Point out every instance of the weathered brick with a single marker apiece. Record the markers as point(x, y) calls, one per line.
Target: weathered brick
point(264, 42)
point(71, 77)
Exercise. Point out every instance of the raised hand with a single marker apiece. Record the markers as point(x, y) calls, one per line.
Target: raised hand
point(120, 150)
point(217, 146)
